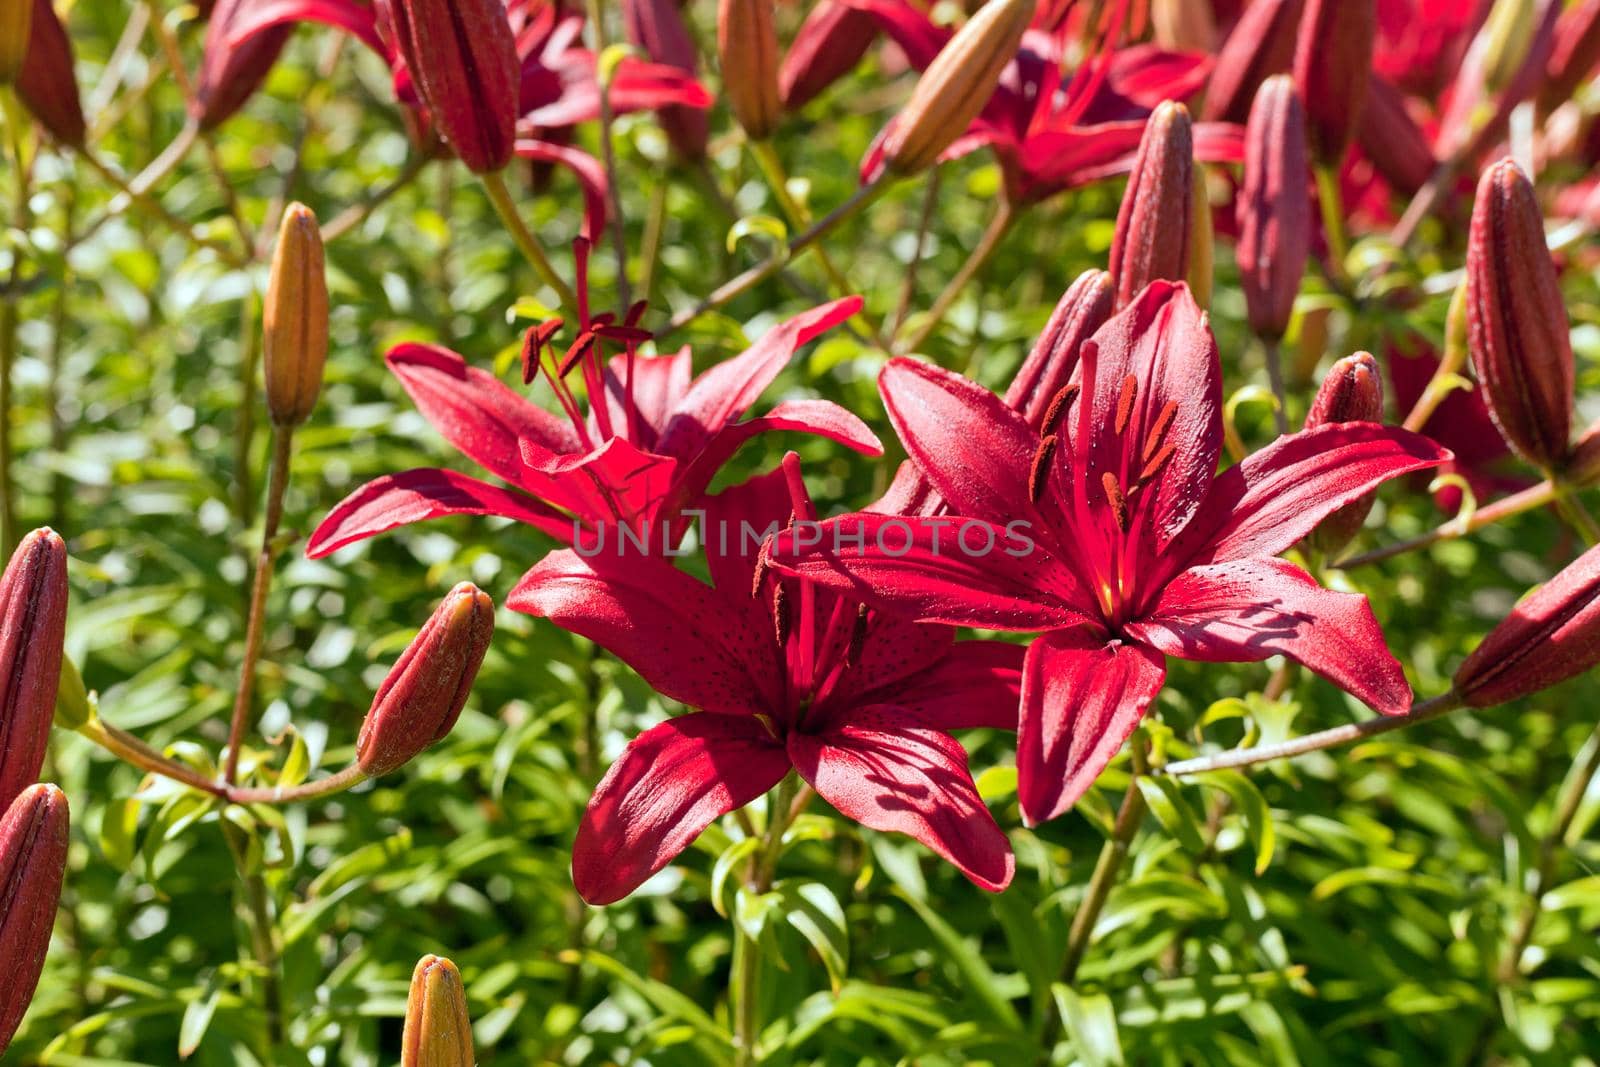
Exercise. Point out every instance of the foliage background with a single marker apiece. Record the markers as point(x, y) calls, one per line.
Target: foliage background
point(1388, 875)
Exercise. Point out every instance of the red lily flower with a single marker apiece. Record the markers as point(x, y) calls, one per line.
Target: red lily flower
point(1132, 549)
point(642, 456)
point(560, 86)
point(1051, 130)
point(783, 676)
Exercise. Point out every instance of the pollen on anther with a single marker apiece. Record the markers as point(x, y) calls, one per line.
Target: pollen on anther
point(1130, 389)
point(1039, 472)
point(780, 614)
point(1114, 497)
point(1154, 464)
point(1058, 407)
point(1158, 430)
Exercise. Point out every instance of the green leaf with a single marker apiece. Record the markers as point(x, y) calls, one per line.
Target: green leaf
point(763, 225)
point(812, 909)
point(1252, 807)
point(119, 829)
point(197, 1018)
point(731, 858)
point(1091, 1022)
point(1164, 796)
point(976, 976)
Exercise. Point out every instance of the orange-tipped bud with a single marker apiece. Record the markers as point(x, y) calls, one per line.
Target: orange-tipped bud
point(33, 628)
point(1553, 635)
point(463, 61)
point(1082, 310)
point(427, 687)
point(438, 1029)
point(1516, 320)
point(747, 48)
point(33, 858)
point(828, 45)
point(1332, 70)
point(295, 345)
point(1352, 392)
point(1275, 208)
point(1260, 45)
point(15, 17)
point(956, 85)
point(46, 84)
point(1152, 240)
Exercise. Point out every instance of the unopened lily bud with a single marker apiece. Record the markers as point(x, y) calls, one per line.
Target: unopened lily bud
point(1553, 635)
point(47, 85)
point(1274, 208)
point(231, 71)
point(1082, 309)
point(463, 60)
point(957, 85)
point(828, 45)
point(33, 628)
point(426, 689)
point(438, 1029)
point(1392, 140)
point(1574, 54)
point(1153, 237)
point(1352, 392)
point(747, 48)
point(295, 343)
point(1332, 70)
point(33, 859)
point(657, 26)
point(1516, 320)
point(1260, 45)
point(15, 16)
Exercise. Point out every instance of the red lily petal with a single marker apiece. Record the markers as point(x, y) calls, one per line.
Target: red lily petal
point(1082, 696)
point(426, 493)
point(475, 411)
point(821, 417)
point(909, 493)
point(1162, 345)
point(1249, 609)
point(659, 383)
point(738, 522)
point(972, 446)
point(658, 620)
point(915, 566)
point(359, 20)
point(976, 684)
point(1147, 74)
point(616, 483)
point(908, 27)
point(726, 391)
point(670, 784)
point(1279, 494)
point(639, 85)
point(886, 771)
point(590, 174)
point(892, 655)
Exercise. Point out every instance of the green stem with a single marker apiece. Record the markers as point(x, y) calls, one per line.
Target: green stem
point(993, 235)
point(244, 492)
point(785, 802)
point(1577, 516)
point(1338, 735)
point(1536, 496)
point(495, 185)
point(1106, 868)
point(798, 217)
point(10, 316)
point(131, 750)
point(743, 283)
point(1274, 357)
point(1331, 201)
point(908, 289)
point(356, 214)
point(149, 204)
point(278, 480)
point(263, 939)
point(608, 156)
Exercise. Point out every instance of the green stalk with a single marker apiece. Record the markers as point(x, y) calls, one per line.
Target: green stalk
point(1331, 201)
point(495, 185)
point(785, 802)
point(986, 247)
